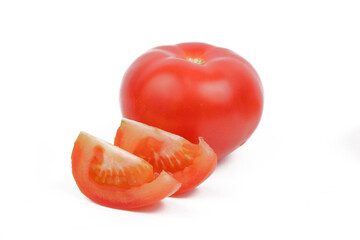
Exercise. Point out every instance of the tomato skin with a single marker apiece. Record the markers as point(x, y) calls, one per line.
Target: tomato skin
point(220, 100)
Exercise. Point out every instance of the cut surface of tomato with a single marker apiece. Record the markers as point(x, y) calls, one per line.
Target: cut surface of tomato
point(112, 177)
point(188, 163)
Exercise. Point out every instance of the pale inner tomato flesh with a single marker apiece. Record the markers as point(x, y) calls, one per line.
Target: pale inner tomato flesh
point(107, 171)
point(161, 157)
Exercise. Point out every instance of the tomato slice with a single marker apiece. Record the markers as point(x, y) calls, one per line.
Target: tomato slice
point(188, 163)
point(115, 178)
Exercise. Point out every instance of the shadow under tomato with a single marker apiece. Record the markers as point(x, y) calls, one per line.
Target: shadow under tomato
point(223, 160)
point(188, 193)
point(352, 142)
point(148, 209)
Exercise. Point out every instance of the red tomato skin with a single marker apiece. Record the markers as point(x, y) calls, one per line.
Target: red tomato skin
point(220, 100)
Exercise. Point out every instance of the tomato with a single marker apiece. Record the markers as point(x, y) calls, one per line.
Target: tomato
point(192, 90)
point(190, 164)
point(115, 178)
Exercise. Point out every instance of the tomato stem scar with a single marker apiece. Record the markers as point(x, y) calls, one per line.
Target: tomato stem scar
point(196, 60)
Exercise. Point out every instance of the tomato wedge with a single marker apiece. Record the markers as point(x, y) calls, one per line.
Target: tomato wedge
point(115, 178)
point(189, 163)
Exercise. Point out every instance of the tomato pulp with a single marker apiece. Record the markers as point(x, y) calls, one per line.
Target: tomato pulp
point(115, 178)
point(190, 164)
point(193, 90)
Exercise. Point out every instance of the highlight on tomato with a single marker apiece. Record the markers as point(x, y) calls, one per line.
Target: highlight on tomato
point(188, 163)
point(115, 178)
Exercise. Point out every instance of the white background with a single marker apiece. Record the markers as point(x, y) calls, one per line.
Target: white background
point(298, 177)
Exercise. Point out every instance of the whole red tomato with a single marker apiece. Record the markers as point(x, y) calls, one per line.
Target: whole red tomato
point(192, 90)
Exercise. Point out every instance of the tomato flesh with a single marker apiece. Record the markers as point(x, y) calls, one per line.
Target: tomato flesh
point(115, 178)
point(189, 163)
point(149, 148)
